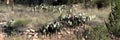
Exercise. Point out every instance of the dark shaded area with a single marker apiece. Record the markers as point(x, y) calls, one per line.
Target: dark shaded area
point(28, 2)
point(2, 1)
point(38, 2)
point(102, 3)
point(87, 3)
point(99, 4)
point(58, 2)
point(9, 30)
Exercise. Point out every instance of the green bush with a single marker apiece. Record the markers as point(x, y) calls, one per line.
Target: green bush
point(99, 32)
point(114, 19)
point(20, 22)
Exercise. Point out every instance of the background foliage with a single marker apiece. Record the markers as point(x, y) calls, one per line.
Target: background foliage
point(114, 17)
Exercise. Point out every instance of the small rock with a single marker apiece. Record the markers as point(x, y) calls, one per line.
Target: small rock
point(59, 33)
point(35, 39)
point(32, 30)
point(27, 30)
point(35, 34)
point(29, 36)
point(68, 32)
point(59, 36)
point(83, 38)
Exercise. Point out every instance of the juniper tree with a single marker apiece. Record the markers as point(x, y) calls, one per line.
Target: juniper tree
point(114, 18)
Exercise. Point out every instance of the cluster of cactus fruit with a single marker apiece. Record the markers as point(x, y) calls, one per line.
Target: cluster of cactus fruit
point(69, 20)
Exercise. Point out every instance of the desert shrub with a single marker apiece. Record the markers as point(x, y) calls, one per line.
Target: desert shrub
point(14, 26)
point(114, 24)
point(97, 3)
point(99, 32)
point(20, 22)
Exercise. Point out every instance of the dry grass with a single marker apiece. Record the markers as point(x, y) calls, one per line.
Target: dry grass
point(43, 16)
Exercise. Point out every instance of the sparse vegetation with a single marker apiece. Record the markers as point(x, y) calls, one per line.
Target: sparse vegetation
point(14, 26)
point(41, 12)
point(99, 32)
point(20, 22)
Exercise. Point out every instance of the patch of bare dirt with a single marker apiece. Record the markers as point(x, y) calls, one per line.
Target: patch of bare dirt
point(2, 36)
